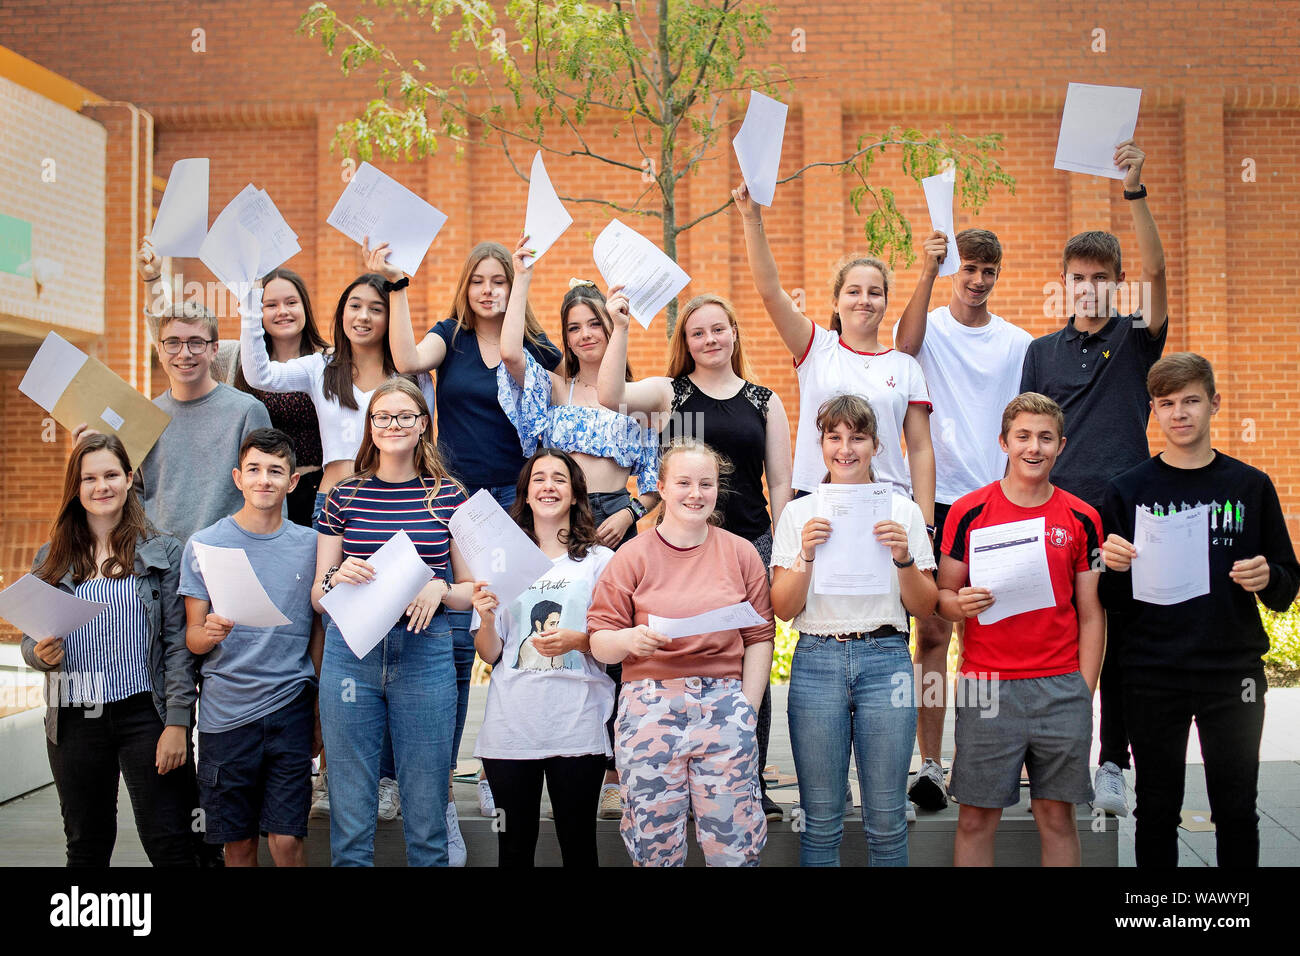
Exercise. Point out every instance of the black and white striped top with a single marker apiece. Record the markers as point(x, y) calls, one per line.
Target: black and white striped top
point(108, 659)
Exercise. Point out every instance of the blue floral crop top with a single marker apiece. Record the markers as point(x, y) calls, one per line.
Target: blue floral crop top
point(576, 428)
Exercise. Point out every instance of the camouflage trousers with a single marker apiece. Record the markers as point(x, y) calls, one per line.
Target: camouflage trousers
point(689, 743)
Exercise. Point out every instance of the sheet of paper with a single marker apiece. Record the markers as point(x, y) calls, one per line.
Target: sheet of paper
point(41, 610)
point(758, 145)
point(376, 205)
point(495, 548)
point(1011, 561)
point(650, 279)
point(1095, 120)
point(1172, 563)
point(851, 560)
point(248, 239)
point(546, 218)
point(733, 616)
point(182, 222)
point(938, 196)
point(233, 589)
point(76, 388)
point(364, 613)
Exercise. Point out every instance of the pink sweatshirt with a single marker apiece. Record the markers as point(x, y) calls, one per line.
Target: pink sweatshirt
point(649, 576)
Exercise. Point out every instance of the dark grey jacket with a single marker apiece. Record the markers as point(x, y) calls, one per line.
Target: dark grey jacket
point(172, 667)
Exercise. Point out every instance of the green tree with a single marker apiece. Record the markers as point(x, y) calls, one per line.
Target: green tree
point(661, 70)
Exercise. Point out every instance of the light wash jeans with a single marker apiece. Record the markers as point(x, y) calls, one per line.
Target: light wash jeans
point(404, 688)
point(857, 692)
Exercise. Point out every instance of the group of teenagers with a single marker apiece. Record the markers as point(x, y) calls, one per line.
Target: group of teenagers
point(309, 458)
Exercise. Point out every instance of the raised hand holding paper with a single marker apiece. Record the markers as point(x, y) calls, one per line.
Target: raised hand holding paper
point(495, 548)
point(377, 206)
point(731, 617)
point(41, 610)
point(1095, 120)
point(758, 145)
point(938, 197)
point(649, 278)
point(182, 222)
point(546, 218)
point(364, 613)
point(1172, 563)
point(233, 589)
point(248, 239)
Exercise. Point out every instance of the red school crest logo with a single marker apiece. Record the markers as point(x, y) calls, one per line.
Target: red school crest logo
point(1059, 537)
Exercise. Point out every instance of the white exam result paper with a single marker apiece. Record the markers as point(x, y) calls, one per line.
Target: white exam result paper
point(234, 591)
point(376, 205)
point(364, 613)
point(851, 560)
point(495, 548)
point(182, 222)
point(733, 616)
point(938, 196)
point(1095, 120)
point(53, 368)
point(758, 145)
point(248, 239)
point(546, 218)
point(650, 279)
point(1172, 563)
point(1011, 561)
point(41, 610)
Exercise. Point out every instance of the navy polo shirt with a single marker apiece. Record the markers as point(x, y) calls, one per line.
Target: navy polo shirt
point(1100, 381)
point(478, 444)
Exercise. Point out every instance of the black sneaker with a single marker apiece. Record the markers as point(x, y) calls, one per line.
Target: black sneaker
point(772, 810)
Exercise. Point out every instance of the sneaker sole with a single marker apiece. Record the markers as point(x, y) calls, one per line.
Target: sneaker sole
point(927, 795)
point(1120, 810)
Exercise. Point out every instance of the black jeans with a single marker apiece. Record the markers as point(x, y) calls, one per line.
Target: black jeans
point(1113, 733)
point(574, 786)
point(93, 750)
point(1230, 729)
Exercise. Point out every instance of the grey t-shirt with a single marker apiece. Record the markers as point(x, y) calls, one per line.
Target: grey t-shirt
point(256, 671)
point(185, 480)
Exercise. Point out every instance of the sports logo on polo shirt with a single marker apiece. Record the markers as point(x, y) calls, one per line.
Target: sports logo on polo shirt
point(1058, 537)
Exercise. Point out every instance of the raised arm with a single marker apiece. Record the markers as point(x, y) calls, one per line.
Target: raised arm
point(650, 396)
point(909, 334)
point(777, 467)
point(793, 326)
point(296, 375)
point(512, 328)
point(409, 357)
point(1155, 294)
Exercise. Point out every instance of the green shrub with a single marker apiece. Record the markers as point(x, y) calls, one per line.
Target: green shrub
point(1282, 662)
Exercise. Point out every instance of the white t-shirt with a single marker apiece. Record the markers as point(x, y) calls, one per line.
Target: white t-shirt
point(890, 380)
point(842, 613)
point(537, 706)
point(972, 374)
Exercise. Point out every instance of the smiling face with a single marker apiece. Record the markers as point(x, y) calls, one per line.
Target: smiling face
point(973, 282)
point(264, 478)
point(861, 301)
point(1032, 444)
point(283, 315)
point(188, 366)
point(550, 489)
point(688, 484)
point(104, 484)
point(585, 334)
point(847, 454)
point(489, 289)
point(710, 338)
point(396, 439)
point(365, 317)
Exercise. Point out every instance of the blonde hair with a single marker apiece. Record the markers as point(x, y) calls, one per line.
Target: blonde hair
point(682, 446)
point(1033, 403)
point(191, 311)
point(460, 310)
point(680, 361)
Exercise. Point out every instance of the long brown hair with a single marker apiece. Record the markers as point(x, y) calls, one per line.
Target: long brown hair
point(428, 463)
point(582, 526)
point(309, 343)
point(340, 371)
point(583, 292)
point(464, 315)
point(842, 272)
point(680, 361)
point(72, 543)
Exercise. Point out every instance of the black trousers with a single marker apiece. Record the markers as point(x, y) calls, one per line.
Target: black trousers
point(574, 786)
point(1230, 724)
point(93, 749)
point(1113, 733)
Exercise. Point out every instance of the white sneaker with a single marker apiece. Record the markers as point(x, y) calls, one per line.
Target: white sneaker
point(928, 790)
point(486, 805)
point(457, 855)
point(390, 801)
point(320, 798)
point(911, 812)
point(1109, 787)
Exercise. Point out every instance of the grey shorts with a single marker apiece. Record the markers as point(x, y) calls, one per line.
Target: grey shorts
point(1044, 723)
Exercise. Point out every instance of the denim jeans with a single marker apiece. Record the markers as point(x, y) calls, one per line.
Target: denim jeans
point(463, 641)
point(860, 691)
point(405, 687)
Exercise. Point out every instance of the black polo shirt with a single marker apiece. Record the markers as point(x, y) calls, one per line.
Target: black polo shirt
point(1100, 381)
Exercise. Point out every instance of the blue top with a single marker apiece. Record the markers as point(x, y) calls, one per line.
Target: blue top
point(599, 432)
point(257, 670)
point(476, 440)
point(107, 659)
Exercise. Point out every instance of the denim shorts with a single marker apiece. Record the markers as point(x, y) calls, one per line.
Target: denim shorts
point(1042, 723)
point(257, 778)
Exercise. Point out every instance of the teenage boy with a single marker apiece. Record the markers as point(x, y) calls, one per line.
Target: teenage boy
point(972, 361)
point(258, 723)
point(1096, 370)
point(1036, 669)
point(1198, 659)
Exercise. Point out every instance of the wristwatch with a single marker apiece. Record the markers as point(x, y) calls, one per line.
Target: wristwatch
point(903, 564)
point(638, 510)
point(1139, 193)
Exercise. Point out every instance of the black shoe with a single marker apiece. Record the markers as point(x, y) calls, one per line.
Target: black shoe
point(772, 810)
point(928, 790)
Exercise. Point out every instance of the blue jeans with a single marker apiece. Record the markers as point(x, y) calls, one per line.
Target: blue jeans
point(405, 687)
point(859, 690)
point(463, 641)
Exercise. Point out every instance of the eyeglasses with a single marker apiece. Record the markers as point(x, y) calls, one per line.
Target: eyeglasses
point(172, 346)
point(404, 420)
